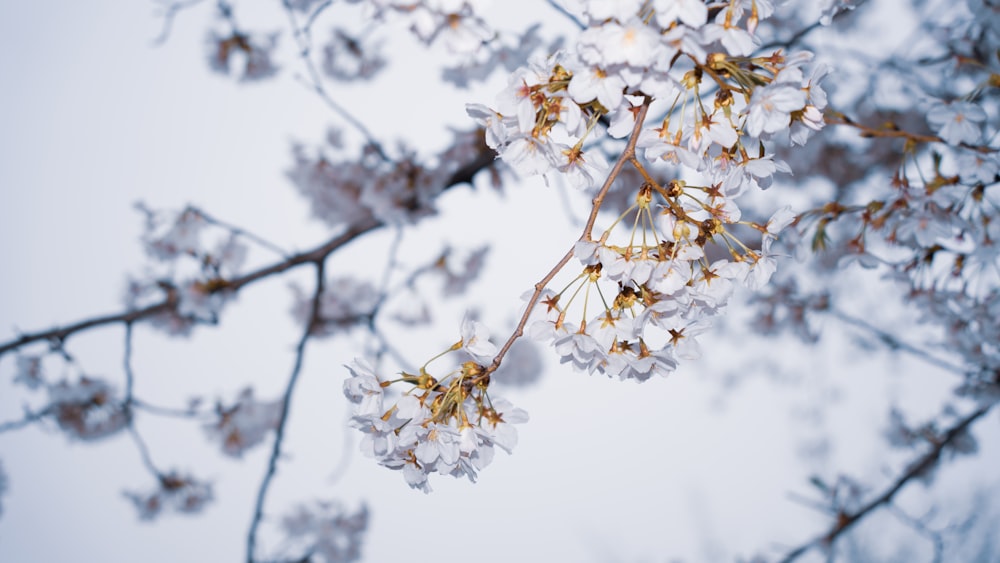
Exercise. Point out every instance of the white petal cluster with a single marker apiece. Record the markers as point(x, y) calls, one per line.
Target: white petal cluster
point(449, 427)
point(544, 121)
point(658, 297)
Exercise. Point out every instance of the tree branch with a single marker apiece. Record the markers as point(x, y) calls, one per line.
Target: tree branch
point(917, 468)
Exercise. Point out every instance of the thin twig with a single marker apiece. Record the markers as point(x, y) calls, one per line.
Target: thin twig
point(171, 412)
point(170, 12)
point(315, 81)
point(28, 419)
point(915, 469)
point(140, 444)
point(628, 153)
point(261, 241)
point(279, 434)
point(894, 343)
point(562, 10)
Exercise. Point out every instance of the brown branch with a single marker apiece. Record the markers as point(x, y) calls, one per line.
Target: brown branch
point(837, 118)
point(917, 468)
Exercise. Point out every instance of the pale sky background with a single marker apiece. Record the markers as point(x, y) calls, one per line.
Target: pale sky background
point(696, 467)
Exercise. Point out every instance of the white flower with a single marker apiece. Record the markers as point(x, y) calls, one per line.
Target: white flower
point(781, 219)
point(496, 130)
point(957, 122)
point(582, 171)
point(580, 348)
point(632, 43)
point(770, 108)
point(592, 82)
point(691, 12)
point(441, 442)
point(737, 42)
point(476, 341)
point(363, 389)
point(529, 156)
point(622, 10)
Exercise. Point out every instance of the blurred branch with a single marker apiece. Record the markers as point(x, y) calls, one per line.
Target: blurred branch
point(562, 10)
point(920, 527)
point(170, 11)
point(58, 335)
point(28, 419)
point(272, 463)
point(896, 344)
point(140, 444)
point(802, 33)
point(239, 231)
point(919, 466)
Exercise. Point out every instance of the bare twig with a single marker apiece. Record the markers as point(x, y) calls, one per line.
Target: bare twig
point(562, 10)
point(918, 467)
point(894, 343)
point(170, 11)
point(140, 444)
point(261, 241)
point(315, 82)
point(28, 419)
point(272, 463)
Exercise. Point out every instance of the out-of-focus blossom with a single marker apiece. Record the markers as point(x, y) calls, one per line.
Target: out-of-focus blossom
point(326, 532)
point(176, 492)
point(251, 55)
point(87, 409)
point(244, 424)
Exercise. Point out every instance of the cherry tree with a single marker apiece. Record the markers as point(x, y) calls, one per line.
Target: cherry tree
point(735, 180)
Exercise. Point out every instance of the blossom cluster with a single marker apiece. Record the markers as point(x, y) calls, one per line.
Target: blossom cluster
point(448, 424)
point(187, 269)
point(251, 55)
point(638, 305)
point(327, 532)
point(352, 190)
point(719, 102)
point(177, 492)
point(650, 283)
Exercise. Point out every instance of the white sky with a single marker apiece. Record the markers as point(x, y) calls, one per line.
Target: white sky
point(92, 118)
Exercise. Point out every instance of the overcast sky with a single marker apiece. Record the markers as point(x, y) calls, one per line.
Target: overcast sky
point(94, 118)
